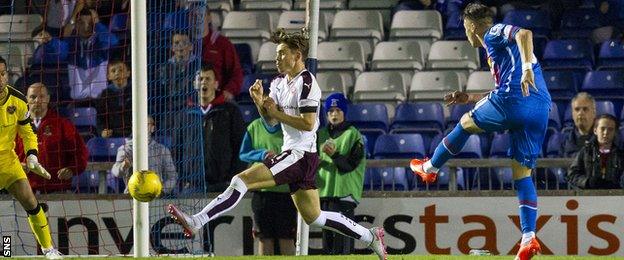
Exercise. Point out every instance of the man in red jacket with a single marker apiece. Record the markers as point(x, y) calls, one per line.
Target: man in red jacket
point(220, 52)
point(61, 149)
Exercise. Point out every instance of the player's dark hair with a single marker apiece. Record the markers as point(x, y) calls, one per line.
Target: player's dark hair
point(610, 117)
point(3, 61)
point(206, 66)
point(294, 41)
point(478, 12)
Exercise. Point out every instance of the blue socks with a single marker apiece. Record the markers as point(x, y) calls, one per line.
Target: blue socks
point(451, 145)
point(527, 197)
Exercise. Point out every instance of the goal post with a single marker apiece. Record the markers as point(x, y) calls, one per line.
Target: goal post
point(140, 215)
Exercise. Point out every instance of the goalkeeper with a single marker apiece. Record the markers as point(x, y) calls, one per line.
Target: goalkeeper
point(14, 118)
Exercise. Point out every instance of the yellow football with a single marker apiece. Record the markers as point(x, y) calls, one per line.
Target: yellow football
point(144, 186)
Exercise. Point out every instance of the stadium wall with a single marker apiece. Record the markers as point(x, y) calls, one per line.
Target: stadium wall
point(584, 225)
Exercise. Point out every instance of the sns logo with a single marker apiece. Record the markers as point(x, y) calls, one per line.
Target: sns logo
point(6, 246)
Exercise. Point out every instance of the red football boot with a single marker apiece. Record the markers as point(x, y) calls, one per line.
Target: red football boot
point(417, 167)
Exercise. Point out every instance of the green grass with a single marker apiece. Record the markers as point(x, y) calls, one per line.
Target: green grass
point(371, 257)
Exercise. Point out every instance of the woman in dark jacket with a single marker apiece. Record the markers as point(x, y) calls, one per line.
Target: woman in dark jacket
point(599, 164)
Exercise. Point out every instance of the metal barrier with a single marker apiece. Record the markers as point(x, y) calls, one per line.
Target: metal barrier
point(453, 166)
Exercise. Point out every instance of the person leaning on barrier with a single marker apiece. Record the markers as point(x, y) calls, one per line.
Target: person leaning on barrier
point(599, 164)
point(341, 172)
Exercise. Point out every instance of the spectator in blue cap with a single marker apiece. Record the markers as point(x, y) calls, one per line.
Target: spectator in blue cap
point(341, 173)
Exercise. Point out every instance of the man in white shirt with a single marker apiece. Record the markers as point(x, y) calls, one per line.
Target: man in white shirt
point(294, 102)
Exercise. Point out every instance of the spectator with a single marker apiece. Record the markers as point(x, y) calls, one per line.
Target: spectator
point(50, 50)
point(600, 163)
point(61, 148)
point(274, 214)
point(219, 51)
point(414, 5)
point(222, 133)
point(57, 14)
point(159, 160)
point(175, 79)
point(583, 114)
point(114, 106)
point(341, 173)
point(89, 43)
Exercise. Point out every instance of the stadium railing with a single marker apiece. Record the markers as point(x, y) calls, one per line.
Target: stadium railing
point(454, 165)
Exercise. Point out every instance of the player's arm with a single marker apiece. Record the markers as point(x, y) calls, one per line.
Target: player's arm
point(304, 122)
point(524, 39)
point(25, 131)
point(257, 95)
point(459, 97)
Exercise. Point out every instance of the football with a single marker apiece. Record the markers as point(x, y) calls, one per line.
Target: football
point(144, 186)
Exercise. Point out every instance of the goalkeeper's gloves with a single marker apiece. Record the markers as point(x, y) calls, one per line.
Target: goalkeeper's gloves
point(34, 166)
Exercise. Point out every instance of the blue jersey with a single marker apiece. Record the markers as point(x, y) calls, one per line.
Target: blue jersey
point(503, 56)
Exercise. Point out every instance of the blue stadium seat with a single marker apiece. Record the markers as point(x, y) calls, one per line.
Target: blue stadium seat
point(249, 112)
point(86, 182)
point(119, 23)
point(611, 55)
point(248, 80)
point(387, 179)
point(500, 146)
point(579, 23)
point(399, 146)
point(454, 29)
point(604, 84)
point(535, 20)
point(370, 118)
point(552, 178)
point(457, 111)
point(178, 20)
point(472, 149)
point(568, 54)
point(84, 118)
point(244, 56)
point(553, 117)
point(424, 118)
point(562, 84)
point(104, 149)
point(602, 107)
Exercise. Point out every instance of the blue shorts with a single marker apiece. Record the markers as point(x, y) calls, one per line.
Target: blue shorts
point(526, 118)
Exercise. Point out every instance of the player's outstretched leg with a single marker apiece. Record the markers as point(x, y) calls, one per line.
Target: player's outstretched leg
point(37, 220)
point(450, 145)
point(527, 197)
point(256, 177)
point(308, 205)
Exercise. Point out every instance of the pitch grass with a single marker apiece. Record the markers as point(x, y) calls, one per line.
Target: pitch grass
point(371, 257)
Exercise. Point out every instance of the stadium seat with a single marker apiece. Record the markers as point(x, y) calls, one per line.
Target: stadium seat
point(245, 58)
point(579, 23)
point(611, 55)
point(370, 119)
point(399, 55)
point(457, 111)
point(500, 146)
point(536, 20)
point(331, 82)
point(396, 146)
point(383, 7)
point(18, 27)
point(453, 55)
point(386, 179)
point(433, 85)
point(344, 57)
point(454, 29)
point(552, 178)
point(86, 182)
point(472, 149)
point(323, 5)
point(423, 118)
point(562, 84)
point(84, 118)
point(414, 25)
point(249, 112)
point(604, 84)
point(553, 117)
point(104, 149)
point(14, 58)
point(220, 5)
point(568, 54)
point(251, 27)
point(602, 107)
point(273, 8)
point(365, 27)
point(379, 86)
point(266, 58)
point(293, 21)
point(480, 81)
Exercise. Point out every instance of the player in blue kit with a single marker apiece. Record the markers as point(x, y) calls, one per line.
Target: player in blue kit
point(520, 103)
